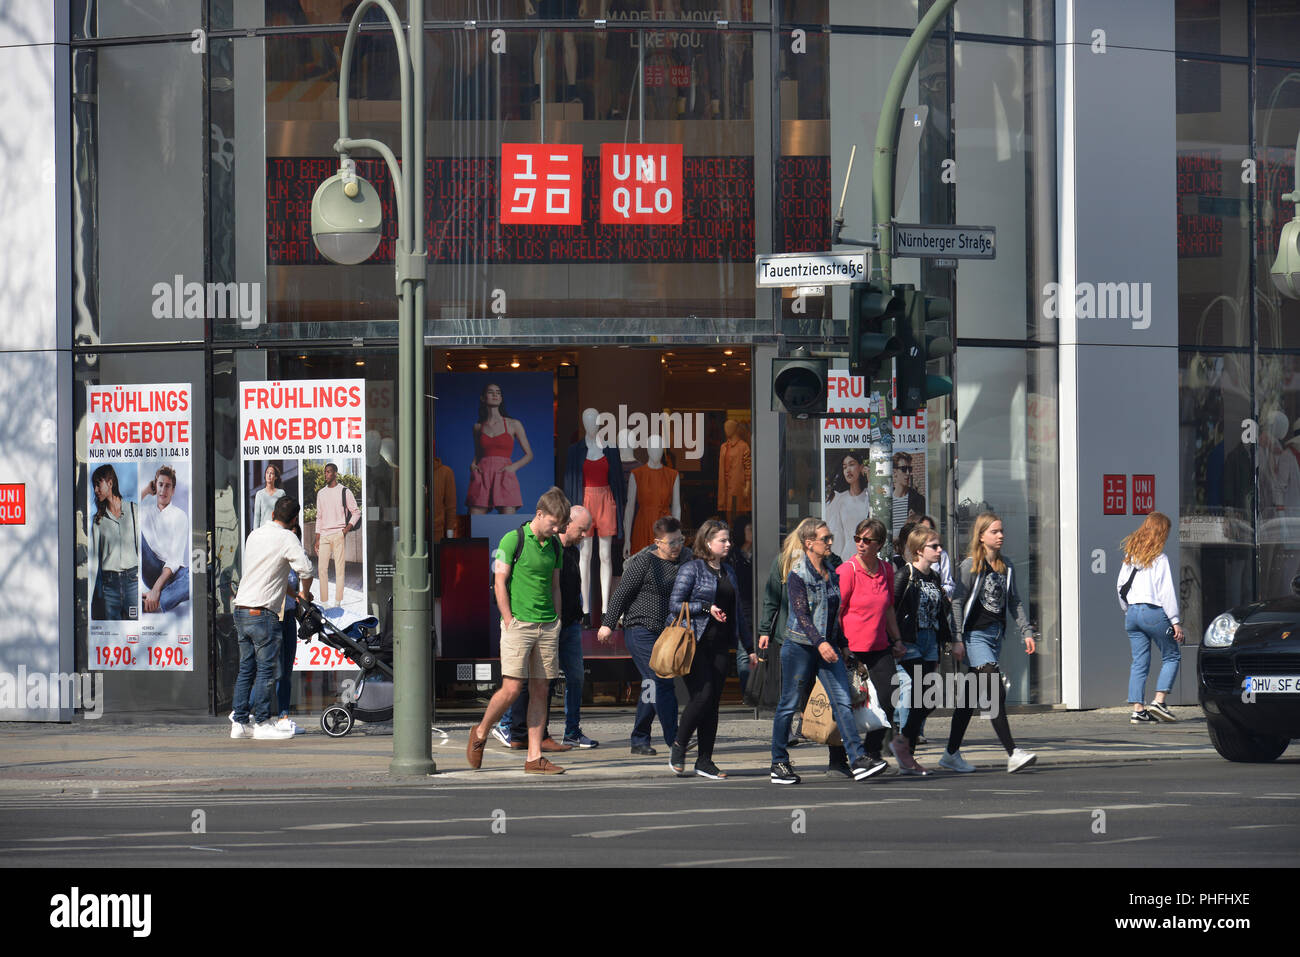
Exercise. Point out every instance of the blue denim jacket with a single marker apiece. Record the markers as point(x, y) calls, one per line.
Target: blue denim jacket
point(697, 585)
point(819, 621)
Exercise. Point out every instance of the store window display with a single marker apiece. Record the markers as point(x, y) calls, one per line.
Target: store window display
point(556, 10)
point(653, 491)
point(593, 476)
point(847, 501)
point(734, 473)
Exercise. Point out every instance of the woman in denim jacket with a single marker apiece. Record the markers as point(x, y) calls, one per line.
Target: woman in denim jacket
point(810, 649)
point(712, 594)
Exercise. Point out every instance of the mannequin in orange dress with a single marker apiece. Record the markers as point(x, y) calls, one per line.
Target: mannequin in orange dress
point(653, 491)
point(733, 473)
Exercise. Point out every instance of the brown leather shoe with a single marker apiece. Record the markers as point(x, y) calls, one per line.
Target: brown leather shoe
point(518, 745)
point(474, 750)
point(542, 766)
point(551, 745)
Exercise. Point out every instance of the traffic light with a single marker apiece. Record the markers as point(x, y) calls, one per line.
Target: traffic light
point(926, 336)
point(799, 385)
point(875, 318)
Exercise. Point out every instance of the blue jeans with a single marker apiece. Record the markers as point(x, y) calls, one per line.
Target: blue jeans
point(800, 666)
point(661, 692)
point(570, 651)
point(1145, 624)
point(983, 647)
point(259, 641)
point(288, 649)
point(176, 591)
point(742, 667)
point(926, 648)
point(120, 594)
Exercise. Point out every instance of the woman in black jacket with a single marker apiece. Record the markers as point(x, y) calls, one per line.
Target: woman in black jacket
point(709, 587)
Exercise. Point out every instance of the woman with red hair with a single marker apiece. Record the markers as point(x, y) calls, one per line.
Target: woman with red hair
point(1150, 603)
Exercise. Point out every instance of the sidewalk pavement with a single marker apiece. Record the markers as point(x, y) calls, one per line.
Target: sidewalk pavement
point(109, 755)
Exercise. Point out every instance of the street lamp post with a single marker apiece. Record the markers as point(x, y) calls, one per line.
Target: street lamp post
point(346, 224)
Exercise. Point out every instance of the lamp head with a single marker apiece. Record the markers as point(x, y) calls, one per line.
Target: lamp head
point(1286, 268)
point(346, 219)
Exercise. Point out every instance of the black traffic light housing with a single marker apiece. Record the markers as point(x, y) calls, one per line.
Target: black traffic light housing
point(799, 385)
point(926, 336)
point(875, 320)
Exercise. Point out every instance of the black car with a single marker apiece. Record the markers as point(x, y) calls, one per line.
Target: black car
point(1249, 678)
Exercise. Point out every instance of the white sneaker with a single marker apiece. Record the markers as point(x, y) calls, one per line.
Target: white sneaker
point(266, 731)
point(955, 762)
point(286, 723)
point(1019, 760)
point(238, 730)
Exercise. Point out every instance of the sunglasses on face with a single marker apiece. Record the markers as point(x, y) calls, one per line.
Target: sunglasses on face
point(866, 540)
point(932, 545)
point(671, 542)
point(825, 539)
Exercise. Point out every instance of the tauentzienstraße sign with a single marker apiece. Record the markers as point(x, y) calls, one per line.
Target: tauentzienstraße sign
point(810, 269)
point(947, 242)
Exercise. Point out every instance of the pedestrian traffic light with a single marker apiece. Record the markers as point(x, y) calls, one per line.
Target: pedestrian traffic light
point(926, 336)
point(799, 385)
point(874, 320)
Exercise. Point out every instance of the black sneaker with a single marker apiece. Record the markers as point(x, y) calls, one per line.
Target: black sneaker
point(865, 767)
point(707, 769)
point(839, 767)
point(782, 774)
point(677, 760)
point(1160, 711)
point(644, 749)
point(1143, 717)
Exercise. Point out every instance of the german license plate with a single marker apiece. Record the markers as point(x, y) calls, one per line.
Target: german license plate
point(1273, 684)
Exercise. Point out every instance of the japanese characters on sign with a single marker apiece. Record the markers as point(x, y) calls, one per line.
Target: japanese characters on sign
point(541, 184)
point(1114, 494)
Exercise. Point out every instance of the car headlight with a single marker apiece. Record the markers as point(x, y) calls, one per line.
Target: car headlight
point(1221, 631)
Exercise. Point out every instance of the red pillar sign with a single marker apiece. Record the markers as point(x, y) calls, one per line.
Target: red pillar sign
point(1114, 494)
point(1144, 494)
point(13, 504)
point(641, 184)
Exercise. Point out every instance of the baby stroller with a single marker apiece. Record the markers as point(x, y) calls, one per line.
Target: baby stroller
point(370, 696)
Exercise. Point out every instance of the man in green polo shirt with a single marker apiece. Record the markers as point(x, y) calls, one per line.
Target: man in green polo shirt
point(530, 627)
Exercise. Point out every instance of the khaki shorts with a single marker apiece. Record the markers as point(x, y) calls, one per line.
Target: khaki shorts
point(530, 650)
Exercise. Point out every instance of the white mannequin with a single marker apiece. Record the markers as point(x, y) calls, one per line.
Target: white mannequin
point(654, 460)
point(595, 452)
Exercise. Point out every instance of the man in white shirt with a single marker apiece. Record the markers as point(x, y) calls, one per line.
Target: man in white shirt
point(164, 545)
point(269, 553)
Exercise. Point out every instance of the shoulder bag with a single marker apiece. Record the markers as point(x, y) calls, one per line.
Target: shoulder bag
point(674, 650)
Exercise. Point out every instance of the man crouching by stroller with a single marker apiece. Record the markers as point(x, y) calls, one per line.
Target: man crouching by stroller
point(269, 553)
point(527, 577)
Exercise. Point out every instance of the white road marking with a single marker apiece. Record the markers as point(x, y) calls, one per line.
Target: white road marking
point(657, 827)
point(725, 860)
point(1255, 827)
point(1058, 810)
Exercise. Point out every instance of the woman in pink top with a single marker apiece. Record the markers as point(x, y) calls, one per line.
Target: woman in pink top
point(867, 617)
point(493, 482)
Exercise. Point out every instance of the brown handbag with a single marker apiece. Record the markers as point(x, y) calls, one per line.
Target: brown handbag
point(674, 649)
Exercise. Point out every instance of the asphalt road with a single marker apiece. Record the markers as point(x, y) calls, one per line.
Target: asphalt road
point(1193, 812)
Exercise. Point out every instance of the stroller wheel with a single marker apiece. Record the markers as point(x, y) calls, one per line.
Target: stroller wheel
point(336, 721)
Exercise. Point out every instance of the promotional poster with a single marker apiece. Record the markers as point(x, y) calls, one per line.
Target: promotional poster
point(140, 527)
point(307, 438)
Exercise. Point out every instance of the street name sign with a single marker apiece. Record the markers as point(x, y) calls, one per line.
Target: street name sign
point(810, 269)
point(945, 242)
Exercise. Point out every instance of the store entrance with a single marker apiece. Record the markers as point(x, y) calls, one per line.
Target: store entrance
point(667, 431)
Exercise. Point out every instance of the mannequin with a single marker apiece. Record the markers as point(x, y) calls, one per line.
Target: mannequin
point(592, 478)
point(558, 10)
point(657, 493)
point(733, 473)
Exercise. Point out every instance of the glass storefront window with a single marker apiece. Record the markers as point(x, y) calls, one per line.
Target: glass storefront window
point(94, 19)
point(1277, 104)
point(1211, 26)
point(1213, 205)
point(1278, 458)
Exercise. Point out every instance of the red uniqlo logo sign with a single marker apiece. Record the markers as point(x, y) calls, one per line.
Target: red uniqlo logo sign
point(13, 504)
point(641, 184)
point(1144, 494)
point(1114, 494)
point(541, 184)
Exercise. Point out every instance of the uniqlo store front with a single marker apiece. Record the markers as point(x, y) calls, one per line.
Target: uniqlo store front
point(595, 199)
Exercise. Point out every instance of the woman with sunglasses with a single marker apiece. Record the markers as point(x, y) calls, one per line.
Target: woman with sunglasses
point(813, 650)
point(924, 620)
point(641, 600)
point(867, 617)
point(986, 592)
point(709, 587)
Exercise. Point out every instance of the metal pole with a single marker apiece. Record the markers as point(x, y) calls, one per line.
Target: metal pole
point(882, 202)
